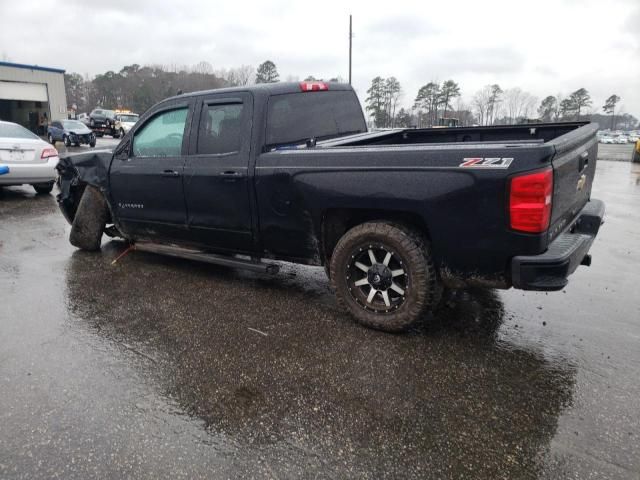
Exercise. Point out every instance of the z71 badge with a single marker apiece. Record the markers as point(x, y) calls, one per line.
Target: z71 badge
point(480, 162)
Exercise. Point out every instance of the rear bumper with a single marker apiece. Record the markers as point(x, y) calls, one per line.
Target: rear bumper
point(551, 269)
point(20, 174)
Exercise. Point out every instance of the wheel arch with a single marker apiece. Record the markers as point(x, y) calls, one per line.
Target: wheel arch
point(336, 222)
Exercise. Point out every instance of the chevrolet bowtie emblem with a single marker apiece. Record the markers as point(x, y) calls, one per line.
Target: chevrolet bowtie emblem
point(581, 182)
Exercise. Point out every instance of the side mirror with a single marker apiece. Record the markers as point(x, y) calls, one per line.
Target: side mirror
point(122, 150)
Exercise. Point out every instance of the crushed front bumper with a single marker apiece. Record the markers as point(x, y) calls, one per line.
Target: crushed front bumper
point(82, 139)
point(549, 270)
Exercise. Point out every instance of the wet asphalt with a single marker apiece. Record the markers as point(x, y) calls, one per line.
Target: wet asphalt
point(155, 367)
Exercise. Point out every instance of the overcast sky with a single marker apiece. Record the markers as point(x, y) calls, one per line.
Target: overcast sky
point(543, 47)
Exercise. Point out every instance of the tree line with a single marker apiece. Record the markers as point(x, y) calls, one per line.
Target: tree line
point(138, 87)
point(435, 104)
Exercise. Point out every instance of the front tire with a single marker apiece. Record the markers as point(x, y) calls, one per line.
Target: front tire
point(66, 140)
point(51, 140)
point(90, 220)
point(384, 275)
point(43, 188)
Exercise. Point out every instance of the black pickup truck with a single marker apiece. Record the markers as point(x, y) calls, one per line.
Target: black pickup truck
point(288, 171)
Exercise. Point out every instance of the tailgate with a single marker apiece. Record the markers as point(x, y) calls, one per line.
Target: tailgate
point(574, 166)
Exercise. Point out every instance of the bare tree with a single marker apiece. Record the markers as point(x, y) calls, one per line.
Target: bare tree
point(202, 67)
point(519, 105)
point(244, 74)
point(481, 103)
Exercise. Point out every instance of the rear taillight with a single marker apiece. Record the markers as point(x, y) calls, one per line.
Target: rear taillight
point(313, 86)
point(530, 201)
point(49, 152)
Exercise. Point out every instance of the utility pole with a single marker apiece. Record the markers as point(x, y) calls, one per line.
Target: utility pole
point(350, 42)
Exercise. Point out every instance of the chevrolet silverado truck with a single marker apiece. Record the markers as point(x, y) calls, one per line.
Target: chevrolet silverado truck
point(288, 171)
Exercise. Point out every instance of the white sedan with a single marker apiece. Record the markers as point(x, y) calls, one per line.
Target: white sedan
point(606, 140)
point(26, 159)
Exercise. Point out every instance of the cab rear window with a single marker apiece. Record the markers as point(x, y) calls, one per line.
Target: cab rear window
point(294, 118)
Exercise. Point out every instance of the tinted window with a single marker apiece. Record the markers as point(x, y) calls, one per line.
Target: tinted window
point(11, 130)
point(296, 117)
point(220, 128)
point(128, 118)
point(162, 135)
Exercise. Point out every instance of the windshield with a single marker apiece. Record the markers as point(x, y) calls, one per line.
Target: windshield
point(71, 124)
point(129, 118)
point(109, 113)
point(12, 130)
point(297, 117)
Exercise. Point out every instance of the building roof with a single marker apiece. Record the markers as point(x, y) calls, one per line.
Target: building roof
point(31, 67)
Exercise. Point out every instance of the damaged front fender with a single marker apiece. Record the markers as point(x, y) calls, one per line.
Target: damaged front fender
point(75, 172)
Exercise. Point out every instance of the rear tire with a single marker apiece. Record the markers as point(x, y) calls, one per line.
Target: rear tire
point(405, 287)
point(90, 220)
point(43, 188)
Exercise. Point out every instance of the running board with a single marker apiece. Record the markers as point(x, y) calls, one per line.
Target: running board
point(256, 266)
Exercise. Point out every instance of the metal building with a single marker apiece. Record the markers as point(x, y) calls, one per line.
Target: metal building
point(31, 95)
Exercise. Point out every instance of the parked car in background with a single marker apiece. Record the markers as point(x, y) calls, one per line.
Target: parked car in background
point(124, 122)
point(71, 132)
point(103, 122)
point(26, 159)
point(634, 137)
point(84, 118)
point(606, 139)
point(621, 139)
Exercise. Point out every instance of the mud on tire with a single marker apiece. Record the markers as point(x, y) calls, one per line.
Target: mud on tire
point(395, 263)
point(90, 220)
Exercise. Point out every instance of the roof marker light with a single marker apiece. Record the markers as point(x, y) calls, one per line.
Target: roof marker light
point(313, 86)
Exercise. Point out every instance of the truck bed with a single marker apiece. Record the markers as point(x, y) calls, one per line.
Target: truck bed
point(527, 133)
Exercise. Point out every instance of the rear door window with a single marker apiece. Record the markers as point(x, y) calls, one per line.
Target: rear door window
point(162, 135)
point(221, 128)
